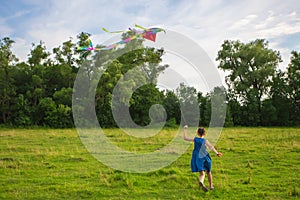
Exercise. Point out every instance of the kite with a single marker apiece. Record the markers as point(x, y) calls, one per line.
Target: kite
point(149, 34)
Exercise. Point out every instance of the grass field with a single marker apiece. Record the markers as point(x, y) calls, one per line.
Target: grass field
point(257, 163)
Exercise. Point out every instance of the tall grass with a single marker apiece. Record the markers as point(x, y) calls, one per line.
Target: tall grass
point(257, 163)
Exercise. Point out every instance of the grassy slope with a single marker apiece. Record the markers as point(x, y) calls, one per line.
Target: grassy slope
point(257, 163)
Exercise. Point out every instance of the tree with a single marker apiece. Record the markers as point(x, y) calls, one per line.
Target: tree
point(7, 89)
point(202, 100)
point(151, 64)
point(235, 111)
point(147, 60)
point(131, 66)
point(251, 67)
point(56, 77)
point(216, 113)
point(63, 96)
point(65, 54)
point(83, 41)
point(269, 115)
point(46, 112)
point(293, 80)
point(189, 106)
point(21, 112)
point(38, 54)
point(142, 100)
point(172, 106)
point(104, 91)
point(279, 96)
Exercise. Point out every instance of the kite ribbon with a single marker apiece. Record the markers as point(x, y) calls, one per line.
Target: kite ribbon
point(105, 30)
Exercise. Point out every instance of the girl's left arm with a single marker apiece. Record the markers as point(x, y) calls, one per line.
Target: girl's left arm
point(207, 143)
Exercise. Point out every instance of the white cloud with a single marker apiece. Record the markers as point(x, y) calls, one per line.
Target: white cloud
point(242, 23)
point(19, 47)
point(52, 38)
point(207, 22)
point(5, 30)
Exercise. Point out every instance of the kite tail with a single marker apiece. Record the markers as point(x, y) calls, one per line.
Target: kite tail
point(138, 26)
point(107, 31)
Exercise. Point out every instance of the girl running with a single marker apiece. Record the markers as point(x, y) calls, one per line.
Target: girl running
point(201, 160)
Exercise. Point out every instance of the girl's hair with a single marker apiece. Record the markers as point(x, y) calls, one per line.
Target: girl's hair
point(201, 131)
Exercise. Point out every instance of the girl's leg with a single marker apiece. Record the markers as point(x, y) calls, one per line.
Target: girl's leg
point(202, 176)
point(201, 181)
point(209, 176)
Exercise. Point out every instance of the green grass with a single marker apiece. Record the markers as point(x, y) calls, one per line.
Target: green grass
point(257, 163)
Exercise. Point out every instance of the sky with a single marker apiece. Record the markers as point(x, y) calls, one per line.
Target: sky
point(207, 22)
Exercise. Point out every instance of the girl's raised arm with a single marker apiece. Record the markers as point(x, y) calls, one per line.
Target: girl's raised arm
point(184, 134)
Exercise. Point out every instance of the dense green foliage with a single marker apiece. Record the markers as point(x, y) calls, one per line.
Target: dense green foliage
point(39, 92)
point(258, 92)
point(257, 163)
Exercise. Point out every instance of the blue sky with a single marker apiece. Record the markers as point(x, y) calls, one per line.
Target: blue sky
point(207, 22)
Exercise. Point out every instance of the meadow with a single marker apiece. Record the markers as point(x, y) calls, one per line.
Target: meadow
point(257, 163)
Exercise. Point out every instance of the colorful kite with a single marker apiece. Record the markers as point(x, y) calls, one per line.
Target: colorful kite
point(149, 34)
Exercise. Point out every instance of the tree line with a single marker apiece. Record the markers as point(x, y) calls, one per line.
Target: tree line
point(38, 92)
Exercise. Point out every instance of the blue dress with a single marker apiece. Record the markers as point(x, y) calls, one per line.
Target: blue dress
point(201, 160)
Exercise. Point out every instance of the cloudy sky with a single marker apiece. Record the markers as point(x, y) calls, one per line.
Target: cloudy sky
point(207, 22)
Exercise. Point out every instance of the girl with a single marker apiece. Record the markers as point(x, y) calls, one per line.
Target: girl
point(201, 160)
